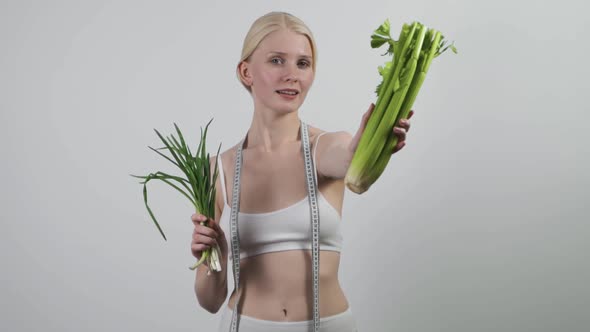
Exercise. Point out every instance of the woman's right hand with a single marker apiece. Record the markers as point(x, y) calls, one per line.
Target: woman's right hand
point(205, 237)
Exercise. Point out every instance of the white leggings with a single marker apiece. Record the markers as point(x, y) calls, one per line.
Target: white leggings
point(342, 322)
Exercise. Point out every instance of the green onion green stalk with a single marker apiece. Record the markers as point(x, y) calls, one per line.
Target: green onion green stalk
point(402, 78)
point(198, 185)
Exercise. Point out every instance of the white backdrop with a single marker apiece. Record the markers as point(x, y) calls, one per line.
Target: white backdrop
point(479, 224)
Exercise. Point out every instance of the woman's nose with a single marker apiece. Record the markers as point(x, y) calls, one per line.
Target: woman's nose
point(291, 74)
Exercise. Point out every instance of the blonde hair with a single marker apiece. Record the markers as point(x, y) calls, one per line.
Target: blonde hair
point(267, 24)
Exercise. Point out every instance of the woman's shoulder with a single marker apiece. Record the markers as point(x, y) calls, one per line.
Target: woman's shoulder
point(328, 137)
point(229, 153)
point(227, 156)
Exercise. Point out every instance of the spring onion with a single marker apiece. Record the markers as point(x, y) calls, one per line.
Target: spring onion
point(199, 184)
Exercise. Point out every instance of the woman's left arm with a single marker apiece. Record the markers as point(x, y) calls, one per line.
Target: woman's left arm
point(336, 150)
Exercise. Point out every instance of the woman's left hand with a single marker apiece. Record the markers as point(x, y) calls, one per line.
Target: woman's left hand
point(400, 130)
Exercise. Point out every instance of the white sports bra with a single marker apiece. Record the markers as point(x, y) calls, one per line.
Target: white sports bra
point(288, 228)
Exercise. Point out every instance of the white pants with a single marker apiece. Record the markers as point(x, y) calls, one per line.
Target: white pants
point(342, 322)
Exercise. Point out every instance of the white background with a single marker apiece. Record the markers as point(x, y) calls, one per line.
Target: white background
point(479, 224)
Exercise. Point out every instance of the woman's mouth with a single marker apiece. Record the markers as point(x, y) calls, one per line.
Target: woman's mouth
point(288, 93)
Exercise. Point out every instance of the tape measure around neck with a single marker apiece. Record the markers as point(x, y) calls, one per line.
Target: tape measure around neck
point(315, 229)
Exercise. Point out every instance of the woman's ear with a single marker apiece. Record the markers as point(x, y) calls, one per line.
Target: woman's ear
point(244, 71)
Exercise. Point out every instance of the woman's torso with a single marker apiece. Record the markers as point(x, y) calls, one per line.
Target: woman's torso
point(277, 285)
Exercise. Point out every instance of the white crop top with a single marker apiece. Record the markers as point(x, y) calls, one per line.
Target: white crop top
point(288, 228)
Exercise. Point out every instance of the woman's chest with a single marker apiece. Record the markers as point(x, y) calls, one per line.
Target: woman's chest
point(270, 182)
point(274, 181)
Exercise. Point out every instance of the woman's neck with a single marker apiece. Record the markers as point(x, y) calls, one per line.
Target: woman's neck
point(269, 132)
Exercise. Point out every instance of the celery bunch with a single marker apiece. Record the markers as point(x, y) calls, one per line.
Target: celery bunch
point(402, 78)
point(199, 184)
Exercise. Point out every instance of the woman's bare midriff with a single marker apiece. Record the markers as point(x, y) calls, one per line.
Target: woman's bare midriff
point(278, 286)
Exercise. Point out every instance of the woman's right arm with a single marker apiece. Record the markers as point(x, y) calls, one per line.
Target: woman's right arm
point(210, 288)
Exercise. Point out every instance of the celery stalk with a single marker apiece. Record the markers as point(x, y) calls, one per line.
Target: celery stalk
point(361, 167)
point(402, 79)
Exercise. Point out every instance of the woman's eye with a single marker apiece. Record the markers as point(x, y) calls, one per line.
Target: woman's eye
point(276, 60)
point(304, 64)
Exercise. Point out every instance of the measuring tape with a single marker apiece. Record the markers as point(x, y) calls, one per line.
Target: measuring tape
point(315, 219)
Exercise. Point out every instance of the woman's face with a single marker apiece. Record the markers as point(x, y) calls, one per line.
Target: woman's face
point(280, 71)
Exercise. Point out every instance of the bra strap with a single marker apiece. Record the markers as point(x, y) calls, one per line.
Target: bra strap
point(222, 178)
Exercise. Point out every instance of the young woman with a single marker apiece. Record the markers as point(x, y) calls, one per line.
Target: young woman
point(275, 292)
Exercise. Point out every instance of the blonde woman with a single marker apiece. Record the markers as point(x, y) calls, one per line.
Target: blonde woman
point(266, 174)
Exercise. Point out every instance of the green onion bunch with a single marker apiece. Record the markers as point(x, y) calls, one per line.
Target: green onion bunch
point(402, 78)
point(198, 184)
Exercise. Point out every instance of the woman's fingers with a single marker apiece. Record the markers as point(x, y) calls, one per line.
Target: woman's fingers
point(206, 237)
point(365, 119)
point(398, 147)
point(367, 114)
point(198, 218)
point(204, 230)
point(405, 123)
point(200, 239)
point(197, 248)
point(400, 133)
point(220, 238)
point(215, 226)
point(201, 242)
point(212, 229)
